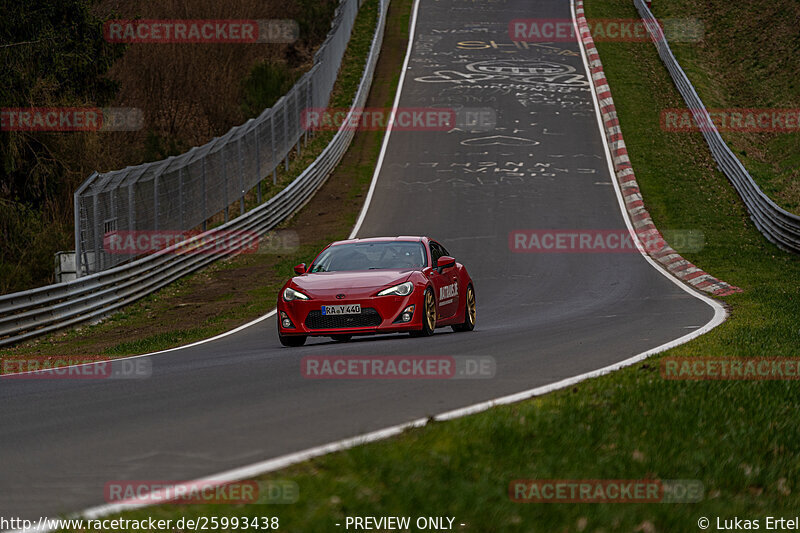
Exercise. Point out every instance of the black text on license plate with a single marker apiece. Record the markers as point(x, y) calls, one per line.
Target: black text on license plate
point(353, 309)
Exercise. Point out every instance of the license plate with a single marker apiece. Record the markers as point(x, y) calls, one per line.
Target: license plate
point(353, 309)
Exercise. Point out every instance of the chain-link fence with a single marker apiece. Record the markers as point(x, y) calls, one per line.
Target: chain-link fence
point(28, 314)
point(185, 191)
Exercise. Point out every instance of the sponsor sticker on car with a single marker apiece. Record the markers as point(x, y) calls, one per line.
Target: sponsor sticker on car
point(352, 309)
point(447, 293)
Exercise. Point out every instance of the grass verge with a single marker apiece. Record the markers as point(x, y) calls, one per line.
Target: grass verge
point(231, 292)
point(740, 439)
point(748, 59)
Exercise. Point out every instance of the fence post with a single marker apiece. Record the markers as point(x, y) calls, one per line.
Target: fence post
point(81, 258)
point(155, 201)
point(272, 142)
point(308, 106)
point(258, 163)
point(131, 213)
point(286, 134)
point(299, 119)
point(97, 254)
point(77, 216)
point(205, 213)
point(225, 184)
point(180, 196)
point(241, 175)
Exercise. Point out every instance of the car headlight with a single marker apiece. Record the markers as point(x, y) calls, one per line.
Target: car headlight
point(290, 294)
point(404, 289)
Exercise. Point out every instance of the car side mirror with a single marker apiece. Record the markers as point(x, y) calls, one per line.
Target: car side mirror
point(445, 262)
point(300, 269)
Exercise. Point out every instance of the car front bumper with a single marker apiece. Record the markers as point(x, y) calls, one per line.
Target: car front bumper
point(379, 314)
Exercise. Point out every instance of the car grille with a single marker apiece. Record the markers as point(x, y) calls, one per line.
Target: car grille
point(369, 317)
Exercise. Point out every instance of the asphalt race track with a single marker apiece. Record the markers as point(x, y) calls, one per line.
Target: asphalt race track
point(543, 317)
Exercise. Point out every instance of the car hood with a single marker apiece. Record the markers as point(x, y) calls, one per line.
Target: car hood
point(322, 283)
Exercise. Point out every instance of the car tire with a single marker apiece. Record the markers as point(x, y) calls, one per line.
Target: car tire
point(428, 315)
point(292, 341)
point(341, 338)
point(469, 312)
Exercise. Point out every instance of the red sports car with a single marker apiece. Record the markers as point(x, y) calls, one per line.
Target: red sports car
point(378, 285)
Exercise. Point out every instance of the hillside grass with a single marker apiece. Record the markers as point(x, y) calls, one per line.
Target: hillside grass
point(245, 286)
point(740, 439)
point(748, 58)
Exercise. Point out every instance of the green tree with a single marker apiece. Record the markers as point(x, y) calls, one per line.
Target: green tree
point(52, 53)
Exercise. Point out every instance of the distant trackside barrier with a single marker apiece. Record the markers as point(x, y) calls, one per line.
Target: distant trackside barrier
point(26, 314)
point(777, 224)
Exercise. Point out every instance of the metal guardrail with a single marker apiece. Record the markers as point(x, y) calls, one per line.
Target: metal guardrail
point(778, 225)
point(24, 315)
point(185, 191)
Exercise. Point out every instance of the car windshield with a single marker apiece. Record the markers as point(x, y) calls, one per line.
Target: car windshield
point(371, 256)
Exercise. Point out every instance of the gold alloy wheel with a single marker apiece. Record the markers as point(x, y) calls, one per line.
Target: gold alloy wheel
point(471, 305)
point(430, 310)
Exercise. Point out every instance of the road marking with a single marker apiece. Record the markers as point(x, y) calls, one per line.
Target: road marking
point(385, 144)
point(720, 314)
point(284, 461)
point(196, 343)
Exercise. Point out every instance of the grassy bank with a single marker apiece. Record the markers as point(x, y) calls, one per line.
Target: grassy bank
point(748, 58)
point(740, 439)
point(55, 55)
point(232, 292)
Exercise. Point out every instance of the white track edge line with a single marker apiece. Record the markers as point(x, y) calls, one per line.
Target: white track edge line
point(114, 359)
point(720, 313)
point(284, 461)
point(353, 233)
point(390, 126)
point(278, 463)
